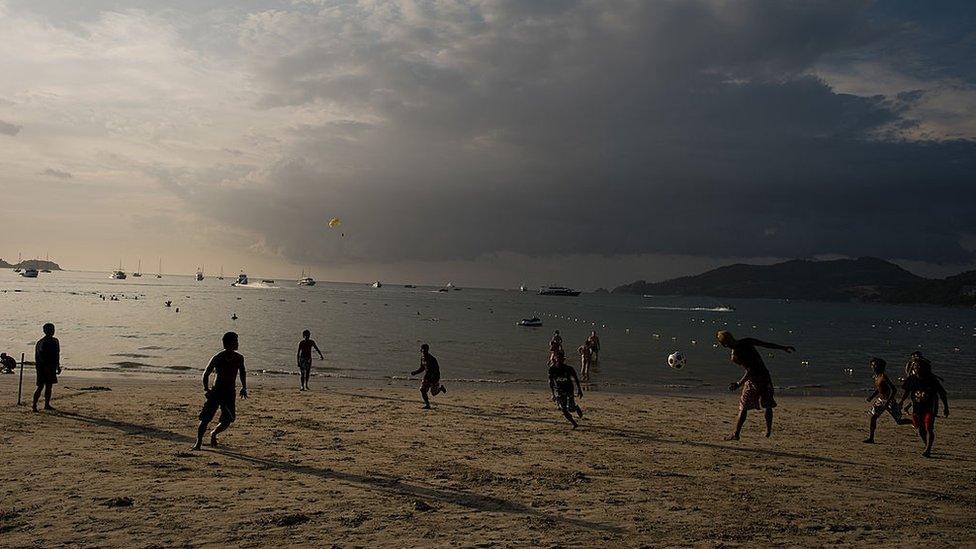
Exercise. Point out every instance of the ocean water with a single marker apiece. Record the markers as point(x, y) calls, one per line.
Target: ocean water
point(373, 335)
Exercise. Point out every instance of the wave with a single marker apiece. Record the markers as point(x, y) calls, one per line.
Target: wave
point(720, 309)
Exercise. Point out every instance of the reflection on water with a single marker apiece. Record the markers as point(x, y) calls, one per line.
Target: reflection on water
point(374, 333)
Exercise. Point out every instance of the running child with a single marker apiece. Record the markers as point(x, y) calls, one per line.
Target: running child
point(562, 376)
point(227, 364)
point(885, 391)
point(925, 390)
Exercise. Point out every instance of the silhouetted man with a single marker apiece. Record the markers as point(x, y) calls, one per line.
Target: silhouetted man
point(305, 347)
point(432, 375)
point(756, 383)
point(47, 362)
point(226, 364)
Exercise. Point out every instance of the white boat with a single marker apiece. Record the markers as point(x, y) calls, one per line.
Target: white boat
point(306, 280)
point(558, 290)
point(522, 288)
point(119, 274)
point(29, 273)
point(450, 286)
point(377, 284)
point(533, 322)
point(138, 272)
point(241, 280)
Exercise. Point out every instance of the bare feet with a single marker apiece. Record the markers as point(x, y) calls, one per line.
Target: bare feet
point(197, 445)
point(732, 437)
point(427, 407)
point(575, 425)
point(34, 407)
point(213, 440)
point(769, 434)
point(579, 412)
point(868, 441)
point(48, 407)
point(927, 453)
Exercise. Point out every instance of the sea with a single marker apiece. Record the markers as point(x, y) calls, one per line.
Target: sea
point(122, 328)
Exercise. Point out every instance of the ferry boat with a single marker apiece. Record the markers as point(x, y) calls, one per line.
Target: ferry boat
point(29, 273)
point(559, 290)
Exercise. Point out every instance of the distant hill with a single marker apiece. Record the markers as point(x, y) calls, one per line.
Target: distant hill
point(38, 264)
point(863, 279)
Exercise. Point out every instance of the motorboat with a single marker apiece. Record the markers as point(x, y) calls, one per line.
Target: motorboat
point(558, 290)
point(377, 284)
point(159, 269)
point(241, 280)
point(119, 275)
point(522, 288)
point(409, 286)
point(450, 286)
point(199, 274)
point(534, 322)
point(29, 273)
point(267, 281)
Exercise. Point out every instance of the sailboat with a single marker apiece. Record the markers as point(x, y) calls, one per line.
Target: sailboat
point(159, 270)
point(138, 272)
point(221, 277)
point(199, 273)
point(119, 274)
point(306, 280)
point(19, 261)
point(47, 258)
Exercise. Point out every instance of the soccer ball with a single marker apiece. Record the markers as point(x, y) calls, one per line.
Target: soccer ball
point(677, 360)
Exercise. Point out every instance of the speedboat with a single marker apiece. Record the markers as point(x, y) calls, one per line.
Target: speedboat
point(522, 288)
point(377, 284)
point(533, 322)
point(119, 275)
point(267, 281)
point(199, 274)
point(241, 280)
point(409, 286)
point(558, 290)
point(29, 273)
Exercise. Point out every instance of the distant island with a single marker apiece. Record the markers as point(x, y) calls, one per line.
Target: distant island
point(865, 279)
point(38, 264)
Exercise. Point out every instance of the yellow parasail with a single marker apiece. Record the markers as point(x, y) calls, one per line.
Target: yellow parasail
point(334, 222)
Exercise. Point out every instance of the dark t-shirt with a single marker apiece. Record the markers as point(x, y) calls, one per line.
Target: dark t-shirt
point(562, 376)
point(924, 392)
point(432, 370)
point(8, 362)
point(47, 353)
point(744, 354)
point(226, 364)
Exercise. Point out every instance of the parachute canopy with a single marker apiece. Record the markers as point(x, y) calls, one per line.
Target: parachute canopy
point(334, 222)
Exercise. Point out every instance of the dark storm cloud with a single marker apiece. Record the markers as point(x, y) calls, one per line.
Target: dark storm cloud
point(590, 127)
point(6, 128)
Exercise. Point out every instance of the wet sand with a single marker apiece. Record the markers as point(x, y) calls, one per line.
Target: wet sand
point(355, 467)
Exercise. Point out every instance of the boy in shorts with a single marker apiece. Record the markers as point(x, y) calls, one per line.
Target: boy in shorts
point(562, 376)
point(883, 397)
point(925, 390)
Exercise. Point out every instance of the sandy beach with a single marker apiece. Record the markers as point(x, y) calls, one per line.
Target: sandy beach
point(366, 467)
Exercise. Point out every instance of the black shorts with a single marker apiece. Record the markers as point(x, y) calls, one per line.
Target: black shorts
point(225, 401)
point(46, 376)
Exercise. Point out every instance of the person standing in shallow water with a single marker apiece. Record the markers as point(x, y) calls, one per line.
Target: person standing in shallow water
point(305, 347)
point(47, 362)
point(432, 375)
point(756, 383)
point(227, 364)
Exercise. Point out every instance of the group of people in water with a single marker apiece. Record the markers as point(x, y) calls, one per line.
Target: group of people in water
point(920, 384)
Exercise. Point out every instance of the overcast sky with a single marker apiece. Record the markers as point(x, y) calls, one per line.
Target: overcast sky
point(489, 143)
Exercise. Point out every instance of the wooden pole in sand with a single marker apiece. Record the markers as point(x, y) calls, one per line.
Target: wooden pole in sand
point(20, 384)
